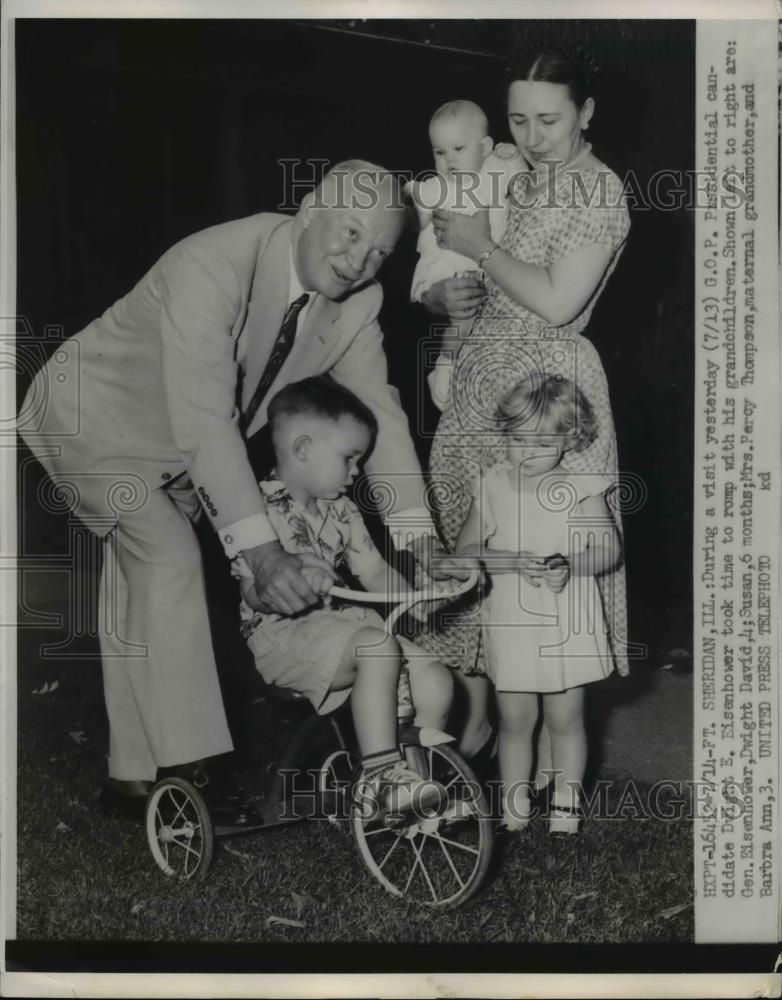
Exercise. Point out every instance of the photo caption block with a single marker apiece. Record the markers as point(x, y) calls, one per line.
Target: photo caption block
point(737, 484)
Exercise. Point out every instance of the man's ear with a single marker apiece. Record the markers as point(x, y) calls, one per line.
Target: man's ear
point(305, 209)
point(487, 145)
point(300, 447)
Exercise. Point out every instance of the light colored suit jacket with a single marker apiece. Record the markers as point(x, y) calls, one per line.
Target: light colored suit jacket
point(157, 376)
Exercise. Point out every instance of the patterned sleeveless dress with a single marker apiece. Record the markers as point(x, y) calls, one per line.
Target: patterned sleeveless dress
point(508, 343)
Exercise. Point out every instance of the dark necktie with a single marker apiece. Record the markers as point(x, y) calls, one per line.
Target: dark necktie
point(280, 351)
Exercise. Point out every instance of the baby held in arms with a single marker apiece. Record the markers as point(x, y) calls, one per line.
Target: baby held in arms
point(472, 175)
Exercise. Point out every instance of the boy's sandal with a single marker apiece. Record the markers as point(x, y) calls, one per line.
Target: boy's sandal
point(564, 821)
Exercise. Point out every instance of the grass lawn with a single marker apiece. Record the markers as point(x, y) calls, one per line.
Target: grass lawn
point(83, 876)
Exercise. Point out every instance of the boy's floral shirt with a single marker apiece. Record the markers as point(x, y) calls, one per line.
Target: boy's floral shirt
point(336, 533)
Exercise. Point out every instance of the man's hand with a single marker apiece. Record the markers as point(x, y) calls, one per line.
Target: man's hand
point(280, 583)
point(457, 298)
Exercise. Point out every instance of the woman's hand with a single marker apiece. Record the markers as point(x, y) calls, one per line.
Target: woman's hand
point(458, 298)
point(469, 235)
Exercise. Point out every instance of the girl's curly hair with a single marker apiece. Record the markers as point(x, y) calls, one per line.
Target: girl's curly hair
point(552, 400)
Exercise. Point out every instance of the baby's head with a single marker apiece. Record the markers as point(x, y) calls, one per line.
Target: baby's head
point(542, 417)
point(320, 432)
point(459, 133)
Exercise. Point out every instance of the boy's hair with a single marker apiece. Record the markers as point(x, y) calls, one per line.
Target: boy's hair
point(540, 397)
point(321, 397)
point(454, 109)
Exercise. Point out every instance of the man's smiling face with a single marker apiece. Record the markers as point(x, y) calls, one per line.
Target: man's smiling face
point(341, 248)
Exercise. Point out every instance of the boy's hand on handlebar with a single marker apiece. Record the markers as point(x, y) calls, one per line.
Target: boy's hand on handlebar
point(455, 567)
point(439, 564)
point(318, 578)
point(280, 583)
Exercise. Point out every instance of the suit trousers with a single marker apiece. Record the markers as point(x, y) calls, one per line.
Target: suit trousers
point(159, 674)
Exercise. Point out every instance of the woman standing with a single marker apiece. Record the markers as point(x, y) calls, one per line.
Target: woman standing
point(567, 225)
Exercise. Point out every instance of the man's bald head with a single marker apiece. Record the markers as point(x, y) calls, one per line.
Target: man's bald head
point(347, 227)
point(359, 184)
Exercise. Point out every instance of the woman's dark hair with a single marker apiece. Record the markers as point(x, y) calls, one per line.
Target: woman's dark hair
point(574, 70)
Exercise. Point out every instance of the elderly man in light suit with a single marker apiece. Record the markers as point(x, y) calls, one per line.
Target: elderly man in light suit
point(173, 378)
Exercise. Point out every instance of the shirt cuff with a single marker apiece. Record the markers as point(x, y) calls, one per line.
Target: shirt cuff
point(246, 534)
point(407, 526)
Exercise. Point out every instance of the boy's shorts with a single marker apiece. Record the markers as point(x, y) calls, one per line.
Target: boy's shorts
point(303, 653)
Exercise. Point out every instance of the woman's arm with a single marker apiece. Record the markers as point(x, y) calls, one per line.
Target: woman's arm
point(557, 294)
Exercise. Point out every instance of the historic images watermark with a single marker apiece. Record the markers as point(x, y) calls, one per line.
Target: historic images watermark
point(669, 190)
point(727, 804)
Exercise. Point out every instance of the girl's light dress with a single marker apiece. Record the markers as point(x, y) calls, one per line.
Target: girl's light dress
point(536, 640)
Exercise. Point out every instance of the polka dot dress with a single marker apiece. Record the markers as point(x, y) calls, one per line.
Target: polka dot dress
point(507, 343)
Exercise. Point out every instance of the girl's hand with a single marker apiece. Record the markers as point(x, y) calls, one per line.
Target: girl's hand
point(532, 568)
point(469, 235)
point(557, 572)
point(458, 298)
point(556, 579)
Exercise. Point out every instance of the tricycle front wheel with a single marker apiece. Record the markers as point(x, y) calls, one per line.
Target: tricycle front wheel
point(179, 829)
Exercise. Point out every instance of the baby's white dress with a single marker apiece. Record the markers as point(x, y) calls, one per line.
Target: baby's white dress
point(536, 640)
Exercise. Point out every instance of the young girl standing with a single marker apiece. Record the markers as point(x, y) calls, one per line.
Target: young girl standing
point(543, 533)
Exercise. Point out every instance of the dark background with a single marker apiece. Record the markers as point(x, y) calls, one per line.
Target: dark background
point(133, 134)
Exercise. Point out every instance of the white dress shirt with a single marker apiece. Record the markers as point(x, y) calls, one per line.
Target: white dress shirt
point(405, 526)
